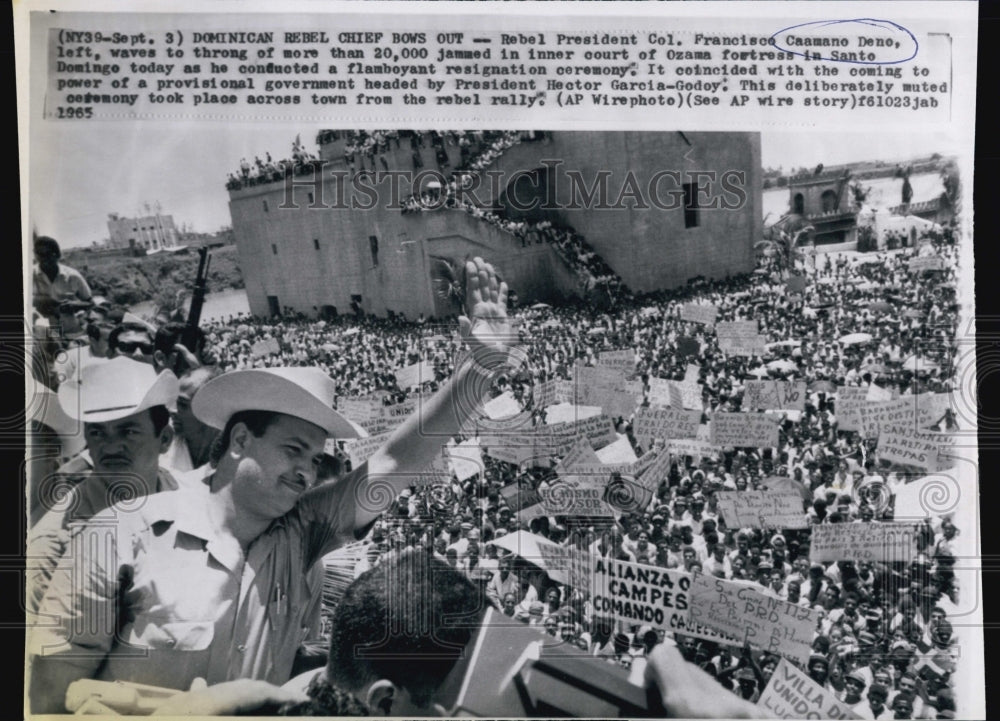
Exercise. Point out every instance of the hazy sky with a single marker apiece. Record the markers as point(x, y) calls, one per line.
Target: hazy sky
point(81, 172)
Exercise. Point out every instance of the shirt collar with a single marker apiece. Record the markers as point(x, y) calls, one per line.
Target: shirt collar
point(187, 510)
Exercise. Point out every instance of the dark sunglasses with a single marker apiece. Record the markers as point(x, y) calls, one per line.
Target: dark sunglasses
point(129, 347)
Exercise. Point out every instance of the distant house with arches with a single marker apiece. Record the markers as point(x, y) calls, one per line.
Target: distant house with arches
point(823, 200)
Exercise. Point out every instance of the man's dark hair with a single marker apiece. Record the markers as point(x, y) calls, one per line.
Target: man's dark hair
point(168, 335)
point(45, 245)
point(407, 620)
point(161, 417)
point(257, 421)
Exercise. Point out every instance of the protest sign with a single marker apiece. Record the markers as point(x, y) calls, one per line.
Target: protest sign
point(622, 361)
point(749, 346)
point(909, 448)
point(792, 694)
point(544, 394)
point(513, 448)
point(580, 453)
point(905, 413)
point(691, 394)
point(361, 449)
point(926, 262)
point(503, 406)
point(697, 449)
point(852, 393)
point(620, 452)
point(689, 627)
point(849, 399)
point(783, 395)
point(266, 347)
point(762, 509)
point(636, 593)
point(359, 410)
point(699, 313)
point(519, 497)
point(691, 373)
point(605, 387)
point(656, 471)
point(414, 375)
point(566, 564)
point(625, 494)
point(577, 496)
point(564, 390)
point(885, 542)
point(663, 393)
point(389, 417)
point(744, 429)
point(599, 430)
point(736, 329)
point(569, 413)
point(653, 423)
point(466, 458)
point(764, 621)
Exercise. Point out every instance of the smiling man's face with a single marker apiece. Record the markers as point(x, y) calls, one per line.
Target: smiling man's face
point(276, 467)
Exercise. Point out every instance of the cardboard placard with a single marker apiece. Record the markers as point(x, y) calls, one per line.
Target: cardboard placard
point(792, 694)
point(636, 593)
point(580, 454)
point(909, 448)
point(619, 360)
point(697, 449)
point(503, 406)
point(744, 429)
point(748, 347)
point(466, 458)
point(766, 622)
point(544, 394)
point(567, 564)
point(360, 410)
point(577, 496)
point(361, 449)
point(908, 413)
point(777, 395)
point(926, 262)
point(762, 509)
point(599, 430)
point(519, 498)
point(736, 329)
point(884, 542)
point(699, 313)
point(663, 393)
point(652, 423)
point(692, 373)
point(620, 452)
point(414, 375)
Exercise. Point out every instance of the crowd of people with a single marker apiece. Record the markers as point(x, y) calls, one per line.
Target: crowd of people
point(268, 170)
point(883, 645)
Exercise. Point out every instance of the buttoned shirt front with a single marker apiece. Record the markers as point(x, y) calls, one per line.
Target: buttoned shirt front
point(68, 284)
point(192, 604)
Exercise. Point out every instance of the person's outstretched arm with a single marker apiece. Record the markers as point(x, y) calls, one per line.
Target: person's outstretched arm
point(416, 443)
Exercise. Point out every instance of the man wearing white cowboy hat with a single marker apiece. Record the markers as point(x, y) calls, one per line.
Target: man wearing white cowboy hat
point(124, 409)
point(216, 585)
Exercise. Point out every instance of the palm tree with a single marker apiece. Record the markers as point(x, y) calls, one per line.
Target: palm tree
point(783, 244)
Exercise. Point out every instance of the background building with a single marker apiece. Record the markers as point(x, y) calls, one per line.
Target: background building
point(703, 221)
point(152, 232)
